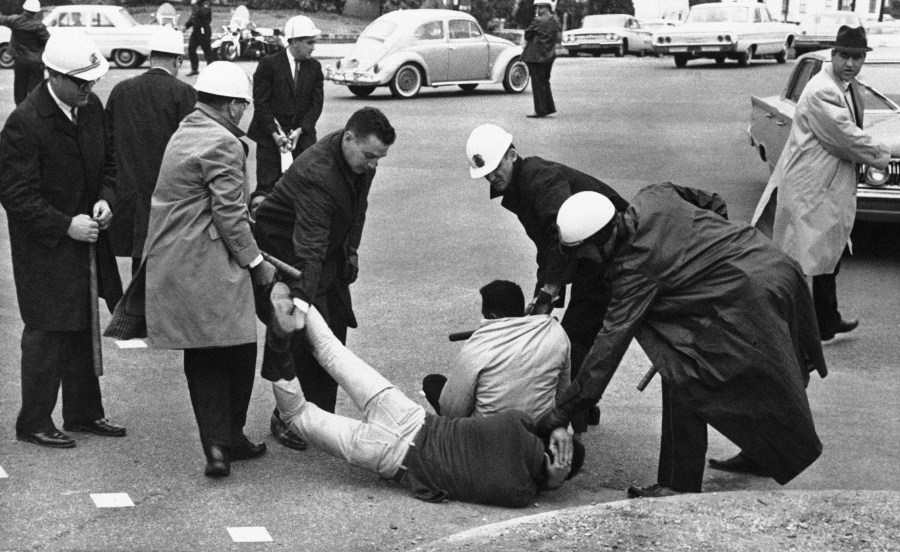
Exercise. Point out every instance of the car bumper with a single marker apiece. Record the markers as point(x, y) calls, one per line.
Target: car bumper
point(593, 45)
point(697, 50)
point(813, 43)
point(352, 78)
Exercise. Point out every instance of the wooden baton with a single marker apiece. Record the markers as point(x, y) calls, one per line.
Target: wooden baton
point(96, 344)
point(645, 381)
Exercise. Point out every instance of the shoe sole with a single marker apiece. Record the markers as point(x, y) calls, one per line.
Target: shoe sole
point(48, 445)
point(79, 429)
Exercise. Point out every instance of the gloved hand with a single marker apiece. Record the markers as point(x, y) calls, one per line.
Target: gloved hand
point(351, 268)
point(262, 274)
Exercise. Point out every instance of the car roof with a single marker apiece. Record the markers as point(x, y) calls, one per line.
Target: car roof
point(878, 55)
point(419, 16)
point(94, 7)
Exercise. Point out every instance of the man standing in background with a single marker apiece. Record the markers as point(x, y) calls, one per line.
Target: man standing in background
point(540, 52)
point(29, 35)
point(200, 20)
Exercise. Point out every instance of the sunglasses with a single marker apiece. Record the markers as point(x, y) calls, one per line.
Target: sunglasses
point(80, 83)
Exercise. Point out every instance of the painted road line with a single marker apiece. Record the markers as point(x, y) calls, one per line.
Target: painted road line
point(2, 473)
point(112, 500)
point(249, 534)
point(131, 344)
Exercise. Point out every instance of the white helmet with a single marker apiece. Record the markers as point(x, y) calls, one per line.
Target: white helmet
point(300, 26)
point(168, 41)
point(227, 79)
point(583, 215)
point(32, 6)
point(76, 55)
point(485, 149)
point(549, 3)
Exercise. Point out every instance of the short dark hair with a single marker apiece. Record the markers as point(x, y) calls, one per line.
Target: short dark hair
point(214, 100)
point(368, 121)
point(164, 55)
point(503, 298)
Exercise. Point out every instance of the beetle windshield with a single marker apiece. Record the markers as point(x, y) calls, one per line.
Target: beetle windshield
point(379, 30)
point(718, 13)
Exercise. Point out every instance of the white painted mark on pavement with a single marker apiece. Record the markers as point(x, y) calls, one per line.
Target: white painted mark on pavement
point(2, 473)
point(112, 500)
point(131, 344)
point(249, 534)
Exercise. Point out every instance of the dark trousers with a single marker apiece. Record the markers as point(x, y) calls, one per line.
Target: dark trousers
point(268, 165)
point(51, 359)
point(220, 381)
point(318, 386)
point(824, 290)
point(27, 75)
point(682, 450)
point(433, 386)
point(200, 37)
point(540, 87)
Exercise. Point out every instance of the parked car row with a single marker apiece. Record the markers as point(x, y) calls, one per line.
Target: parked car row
point(617, 34)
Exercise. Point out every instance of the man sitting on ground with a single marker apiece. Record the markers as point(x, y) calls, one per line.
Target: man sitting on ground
point(495, 460)
point(512, 362)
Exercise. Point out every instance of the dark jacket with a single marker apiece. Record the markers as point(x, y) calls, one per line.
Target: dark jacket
point(725, 317)
point(201, 17)
point(142, 113)
point(50, 171)
point(535, 194)
point(29, 35)
point(313, 220)
point(274, 98)
point(541, 38)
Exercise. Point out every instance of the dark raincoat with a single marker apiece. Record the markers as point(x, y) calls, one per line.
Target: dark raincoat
point(726, 318)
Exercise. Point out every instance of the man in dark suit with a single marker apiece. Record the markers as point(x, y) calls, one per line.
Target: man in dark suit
point(287, 102)
point(26, 46)
point(200, 20)
point(142, 113)
point(313, 220)
point(57, 186)
point(539, 53)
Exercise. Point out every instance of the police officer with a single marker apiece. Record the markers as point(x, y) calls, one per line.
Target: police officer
point(201, 17)
point(29, 35)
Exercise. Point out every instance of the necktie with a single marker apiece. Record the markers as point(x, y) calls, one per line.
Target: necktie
point(854, 105)
point(74, 117)
point(296, 76)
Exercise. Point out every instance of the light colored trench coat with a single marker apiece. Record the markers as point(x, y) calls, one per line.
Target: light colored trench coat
point(199, 243)
point(816, 175)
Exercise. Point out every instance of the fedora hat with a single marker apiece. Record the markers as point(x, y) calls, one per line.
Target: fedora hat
point(851, 40)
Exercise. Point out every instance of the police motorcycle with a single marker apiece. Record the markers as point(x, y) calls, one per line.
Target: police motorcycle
point(242, 39)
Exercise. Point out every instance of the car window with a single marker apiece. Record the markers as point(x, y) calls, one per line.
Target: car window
point(757, 15)
point(718, 13)
point(806, 70)
point(885, 79)
point(459, 28)
point(70, 19)
point(433, 30)
point(100, 20)
point(764, 15)
point(614, 20)
point(126, 19)
point(474, 30)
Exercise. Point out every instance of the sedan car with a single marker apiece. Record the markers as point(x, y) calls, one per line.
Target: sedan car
point(885, 34)
point(617, 34)
point(878, 192)
point(119, 37)
point(6, 60)
point(819, 30)
point(735, 30)
point(408, 49)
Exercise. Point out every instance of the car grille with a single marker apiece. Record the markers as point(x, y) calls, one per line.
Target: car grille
point(593, 36)
point(893, 172)
point(693, 39)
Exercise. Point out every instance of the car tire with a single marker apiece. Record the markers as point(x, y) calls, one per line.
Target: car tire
point(126, 59)
point(622, 49)
point(228, 51)
point(571, 53)
point(468, 87)
point(407, 82)
point(746, 57)
point(720, 60)
point(515, 78)
point(6, 59)
point(361, 91)
point(781, 57)
point(681, 60)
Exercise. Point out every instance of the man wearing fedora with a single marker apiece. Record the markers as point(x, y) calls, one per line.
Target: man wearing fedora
point(816, 175)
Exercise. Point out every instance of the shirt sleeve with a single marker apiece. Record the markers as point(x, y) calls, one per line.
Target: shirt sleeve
point(458, 396)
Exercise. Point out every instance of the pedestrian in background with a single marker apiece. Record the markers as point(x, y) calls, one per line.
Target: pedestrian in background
point(287, 102)
point(540, 52)
point(57, 184)
point(200, 20)
point(201, 263)
point(26, 45)
point(313, 220)
point(816, 175)
point(142, 113)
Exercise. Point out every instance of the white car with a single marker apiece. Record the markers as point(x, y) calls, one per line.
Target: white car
point(885, 34)
point(119, 37)
point(819, 30)
point(729, 30)
point(617, 34)
point(6, 60)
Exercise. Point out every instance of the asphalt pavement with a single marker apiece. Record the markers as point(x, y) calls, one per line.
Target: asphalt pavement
point(432, 238)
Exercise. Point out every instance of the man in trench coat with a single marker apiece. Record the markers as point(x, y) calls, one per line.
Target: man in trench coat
point(29, 35)
point(725, 317)
point(313, 220)
point(142, 113)
point(201, 262)
point(816, 175)
point(57, 186)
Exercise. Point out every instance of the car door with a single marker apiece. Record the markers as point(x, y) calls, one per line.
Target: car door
point(430, 42)
point(770, 37)
point(104, 32)
point(469, 52)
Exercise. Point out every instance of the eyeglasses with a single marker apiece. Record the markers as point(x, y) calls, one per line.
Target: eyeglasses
point(80, 83)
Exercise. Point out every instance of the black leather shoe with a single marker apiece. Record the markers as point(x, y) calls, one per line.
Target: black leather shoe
point(284, 435)
point(536, 116)
point(53, 438)
point(98, 427)
point(845, 326)
point(248, 450)
point(738, 464)
point(652, 491)
point(217, 462)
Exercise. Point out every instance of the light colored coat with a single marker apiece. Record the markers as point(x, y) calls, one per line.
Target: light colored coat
point(199, 242)
point(816, 175)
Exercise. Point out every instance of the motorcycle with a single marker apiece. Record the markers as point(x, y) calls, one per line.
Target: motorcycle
point(242, 39)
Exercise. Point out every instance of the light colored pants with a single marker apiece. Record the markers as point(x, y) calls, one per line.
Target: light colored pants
point(380, 441)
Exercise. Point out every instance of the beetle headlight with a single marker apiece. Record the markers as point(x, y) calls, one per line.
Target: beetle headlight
point(875, 177)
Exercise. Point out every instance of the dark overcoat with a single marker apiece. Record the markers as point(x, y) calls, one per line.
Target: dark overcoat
point(142, 113)
point(50, 171)
point(726, 318)
point(313, 220)
point(274, 98)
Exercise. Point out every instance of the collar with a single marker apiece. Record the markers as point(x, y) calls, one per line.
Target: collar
point(63, 106)
point(159, 69)
point(513, 181)
point(219, 118)
point(337, 140)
